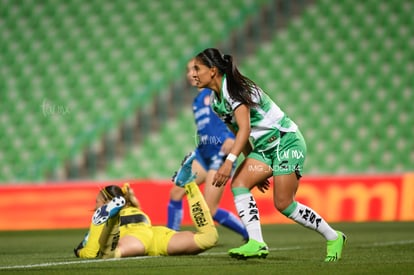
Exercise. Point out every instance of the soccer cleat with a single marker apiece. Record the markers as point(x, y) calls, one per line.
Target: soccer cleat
point(251, 249)
point(185, 174)
point(109, 210)
point(334, 248)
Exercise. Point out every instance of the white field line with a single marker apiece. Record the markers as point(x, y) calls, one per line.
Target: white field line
point(391, 243)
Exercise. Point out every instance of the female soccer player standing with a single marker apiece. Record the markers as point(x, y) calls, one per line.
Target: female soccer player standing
point(274, 143)
point(214, 143)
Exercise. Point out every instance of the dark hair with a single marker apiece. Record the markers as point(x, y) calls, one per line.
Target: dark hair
point(111, 191)
point(240, 87)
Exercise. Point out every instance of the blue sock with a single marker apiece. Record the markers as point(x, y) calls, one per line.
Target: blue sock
point(229, 220)
point(175, 214)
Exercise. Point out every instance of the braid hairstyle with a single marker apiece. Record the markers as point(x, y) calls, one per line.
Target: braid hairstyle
point(240, 87)
point(111, 191)
point(129, 195)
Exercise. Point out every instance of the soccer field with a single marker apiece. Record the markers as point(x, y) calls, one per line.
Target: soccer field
point(373, 248)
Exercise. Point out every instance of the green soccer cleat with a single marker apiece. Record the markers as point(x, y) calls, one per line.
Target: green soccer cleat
point(251, 249)
point(334, 248)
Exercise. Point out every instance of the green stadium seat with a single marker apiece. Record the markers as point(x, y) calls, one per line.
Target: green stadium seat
point(336, 68)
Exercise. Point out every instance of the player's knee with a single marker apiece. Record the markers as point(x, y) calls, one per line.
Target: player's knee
point(206, 240)
point(282, 203)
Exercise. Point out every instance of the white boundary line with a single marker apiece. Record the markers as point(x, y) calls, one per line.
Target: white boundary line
point(85, 261)
point(391, 243)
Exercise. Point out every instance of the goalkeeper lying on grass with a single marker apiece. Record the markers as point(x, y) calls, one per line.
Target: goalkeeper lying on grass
point(120, 228)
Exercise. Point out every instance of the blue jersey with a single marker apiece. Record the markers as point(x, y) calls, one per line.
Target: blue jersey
point(211, 131)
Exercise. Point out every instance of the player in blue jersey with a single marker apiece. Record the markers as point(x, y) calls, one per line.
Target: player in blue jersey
point(214, 143)
point(271, 142)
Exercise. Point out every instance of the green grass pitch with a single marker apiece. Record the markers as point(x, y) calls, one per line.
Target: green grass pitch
point(373, 248)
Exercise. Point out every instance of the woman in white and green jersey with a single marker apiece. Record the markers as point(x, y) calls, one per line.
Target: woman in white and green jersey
point(273, 146)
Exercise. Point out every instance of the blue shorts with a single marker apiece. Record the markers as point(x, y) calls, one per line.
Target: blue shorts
point(210, 163)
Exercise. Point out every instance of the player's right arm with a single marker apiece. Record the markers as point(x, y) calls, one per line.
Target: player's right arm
point(89, 247)
point(247, 148)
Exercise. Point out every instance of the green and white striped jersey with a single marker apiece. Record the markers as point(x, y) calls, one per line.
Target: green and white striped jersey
point(266, 119)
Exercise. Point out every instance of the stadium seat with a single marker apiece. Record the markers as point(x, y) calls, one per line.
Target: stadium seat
point(335, 70)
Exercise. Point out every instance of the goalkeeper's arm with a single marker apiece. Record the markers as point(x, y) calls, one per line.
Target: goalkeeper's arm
point(89, 247)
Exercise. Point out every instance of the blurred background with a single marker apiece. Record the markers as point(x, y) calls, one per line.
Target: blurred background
point(96, 89)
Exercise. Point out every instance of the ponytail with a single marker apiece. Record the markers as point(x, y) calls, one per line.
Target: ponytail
point(239, 86)
point(130, 195)
point(112, 191)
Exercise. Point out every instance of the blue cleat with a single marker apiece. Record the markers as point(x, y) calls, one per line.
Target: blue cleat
point(185, 174)
point(107, 211)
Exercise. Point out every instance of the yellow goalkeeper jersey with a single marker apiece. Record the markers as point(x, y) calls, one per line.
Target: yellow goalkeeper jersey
point(132, 221)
